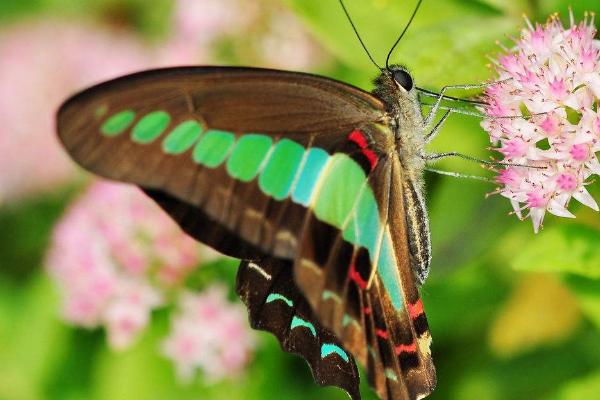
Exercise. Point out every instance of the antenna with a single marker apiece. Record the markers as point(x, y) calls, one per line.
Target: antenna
point(358, 35)
point(387, 60)
point(435, 94)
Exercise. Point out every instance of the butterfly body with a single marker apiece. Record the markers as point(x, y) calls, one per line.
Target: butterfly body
point(291, 171)
point(396, 90)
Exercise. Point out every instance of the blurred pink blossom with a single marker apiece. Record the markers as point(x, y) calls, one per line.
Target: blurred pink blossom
point(209, 334)
point(552, 78)
point(266, 31)
point(114, 255)
point(203, 21)
point(196, 25)
point(287, 44)
point(43, 63)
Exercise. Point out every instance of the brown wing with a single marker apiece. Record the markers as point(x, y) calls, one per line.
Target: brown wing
point(116, 130)
point(381, 322)
point(309, 110)
point(274, 304)
point(302, 107)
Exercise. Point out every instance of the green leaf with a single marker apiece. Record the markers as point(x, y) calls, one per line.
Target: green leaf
point(445, 44)
point(587, 293)
point(524, 111)
point(562, 248)
point(548, 7)
point(573, 116)
point(543, 144)
point(529, 320)
point(33, 344)
point(587, 387)
point(516, 7)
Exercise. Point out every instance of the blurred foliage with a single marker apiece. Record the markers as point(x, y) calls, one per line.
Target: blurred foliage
point(499, 331)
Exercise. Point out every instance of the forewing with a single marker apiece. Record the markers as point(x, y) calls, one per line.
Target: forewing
point(118, 128)
point(230, 141)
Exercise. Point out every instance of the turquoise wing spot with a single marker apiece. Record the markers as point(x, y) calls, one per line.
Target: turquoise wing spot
point(367, 220)
point(118, 123)
point(213, 148)
point(348, 320)
point(150, 127)
point(182, 138)
point(372, 352)
point(364, 225)
point(248, 155)
point(276, 296)
point(329, 348)
point(328, 294)
point(389, 273)
point(278, 176)
point(313, 165)
point(299, 322)
point(339, 190)
point(100, 111)
point(391, 375)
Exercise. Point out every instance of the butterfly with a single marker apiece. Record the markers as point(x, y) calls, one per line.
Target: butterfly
point(315, 184)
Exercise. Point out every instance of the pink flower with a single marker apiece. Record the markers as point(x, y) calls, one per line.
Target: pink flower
point(287, 44)
point(209, 334)
point(202, 21)
point(553, 76)
point(43, 63)
point(108, 256)
point(128, 312)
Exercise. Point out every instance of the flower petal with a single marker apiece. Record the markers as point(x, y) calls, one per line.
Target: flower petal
point(537, 217)
point(556, 208)
point(585, 198)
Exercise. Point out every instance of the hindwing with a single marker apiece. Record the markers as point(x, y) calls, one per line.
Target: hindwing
point(276, 305)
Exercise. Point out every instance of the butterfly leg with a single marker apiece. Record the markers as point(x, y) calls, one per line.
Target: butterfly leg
point(438, 156)
point(436, 129)
point(459, 175)
point(436, 106)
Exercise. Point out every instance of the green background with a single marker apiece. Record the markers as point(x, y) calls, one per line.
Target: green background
point(513, 315)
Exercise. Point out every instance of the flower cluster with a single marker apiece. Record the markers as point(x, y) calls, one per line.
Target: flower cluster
point(271, 34)
point(210, 334)
point(116, 257)
point(42, 63)
point(113, 254)
point(542, 114)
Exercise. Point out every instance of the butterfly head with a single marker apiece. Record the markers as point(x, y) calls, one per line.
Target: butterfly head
point(396, 88)
point(395, 83)
point(395, 79)
point(402, 78)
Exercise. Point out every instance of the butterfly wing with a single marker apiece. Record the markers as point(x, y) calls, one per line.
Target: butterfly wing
point(204, 134)
point(356, 275)
point(276, 305)
point(262, 163)
point(391, 343)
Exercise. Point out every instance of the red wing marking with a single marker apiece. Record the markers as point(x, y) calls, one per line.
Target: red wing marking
point(406, 348)
point(355, 276)
point(371, 156)
point(415, 310)
point(382, 334)
point(358, 137)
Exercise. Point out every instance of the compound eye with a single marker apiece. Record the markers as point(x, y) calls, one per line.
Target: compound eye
point(403, 79)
